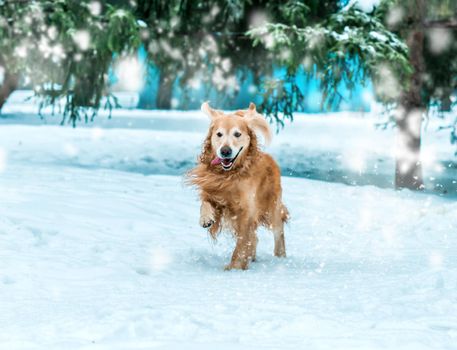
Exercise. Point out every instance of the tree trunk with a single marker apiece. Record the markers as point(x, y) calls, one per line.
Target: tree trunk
point(10, 83)
point(165, 91)
point(408, 169)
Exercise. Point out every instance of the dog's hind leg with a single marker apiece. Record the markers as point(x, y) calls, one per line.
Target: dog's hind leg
point(277, 226)
point(280, 244)
point(254, 242)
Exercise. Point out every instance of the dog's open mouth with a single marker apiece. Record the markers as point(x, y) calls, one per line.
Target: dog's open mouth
point(226, 163)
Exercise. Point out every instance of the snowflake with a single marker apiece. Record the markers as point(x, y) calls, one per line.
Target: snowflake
point(130, 73)
point(82, 39)
point(95, 8)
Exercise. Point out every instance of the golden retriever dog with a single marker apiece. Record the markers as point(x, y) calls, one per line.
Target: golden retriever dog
point(239, 185)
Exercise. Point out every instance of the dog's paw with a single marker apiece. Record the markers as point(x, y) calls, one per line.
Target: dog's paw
point(228, 267)
point(206, 222)
point(206, 215)
point(236, 266)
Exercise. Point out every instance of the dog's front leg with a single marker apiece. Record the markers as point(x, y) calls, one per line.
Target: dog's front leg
point(207, 215)
point(245, 247)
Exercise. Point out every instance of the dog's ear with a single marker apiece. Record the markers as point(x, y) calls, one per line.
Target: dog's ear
point(258, 123)
point(208, 110)
point(244, 112)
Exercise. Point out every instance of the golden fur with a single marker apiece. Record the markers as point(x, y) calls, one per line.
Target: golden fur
point(247, 195)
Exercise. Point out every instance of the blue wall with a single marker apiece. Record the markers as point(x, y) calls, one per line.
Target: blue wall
point(356, 101)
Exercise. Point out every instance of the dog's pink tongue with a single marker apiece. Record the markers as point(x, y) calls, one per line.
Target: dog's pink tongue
point(216, 161)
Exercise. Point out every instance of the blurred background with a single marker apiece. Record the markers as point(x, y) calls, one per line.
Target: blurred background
point(394, 61)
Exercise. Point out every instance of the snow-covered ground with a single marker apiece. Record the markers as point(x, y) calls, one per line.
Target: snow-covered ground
point(100, 246)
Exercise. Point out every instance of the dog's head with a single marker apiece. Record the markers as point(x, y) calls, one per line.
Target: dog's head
point(232, 137)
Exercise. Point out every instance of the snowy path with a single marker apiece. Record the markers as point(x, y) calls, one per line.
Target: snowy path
point(105, 259)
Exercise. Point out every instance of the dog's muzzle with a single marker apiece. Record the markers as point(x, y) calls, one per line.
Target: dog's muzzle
point(226, 162)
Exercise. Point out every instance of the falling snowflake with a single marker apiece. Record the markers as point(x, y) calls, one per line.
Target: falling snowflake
point(440, 39)
point(364, 5)
point(395, 16)
point(95, 8)
point(130, 73)
point(82, 39)
point(387, 84)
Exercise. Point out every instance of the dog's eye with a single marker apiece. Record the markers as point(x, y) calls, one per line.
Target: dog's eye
point(219, 134)
point(237, 134)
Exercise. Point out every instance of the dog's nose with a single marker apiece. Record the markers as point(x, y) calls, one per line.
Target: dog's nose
point(226, 151)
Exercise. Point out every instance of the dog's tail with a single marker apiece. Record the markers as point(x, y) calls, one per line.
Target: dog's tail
point(285, 216)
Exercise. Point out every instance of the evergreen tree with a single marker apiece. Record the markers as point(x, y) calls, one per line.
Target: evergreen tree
point(185, 40)
point(204, 43)
point(388, 46)
point(64, 50)
point(429, 28)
